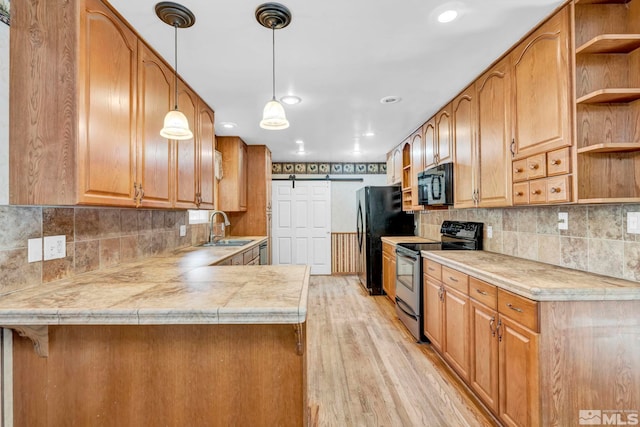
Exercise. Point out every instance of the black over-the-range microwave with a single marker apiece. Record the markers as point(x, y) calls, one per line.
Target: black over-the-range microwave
point(435, 185)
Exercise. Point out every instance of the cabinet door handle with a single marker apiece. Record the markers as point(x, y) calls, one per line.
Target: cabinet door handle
point(534, 192)
point(534, 166)
point(453, 279)
point(513, 145)
point(141, 193)
point(481, 292)
point(499, 330)
point(441, 293)
point(491, 328)
point(517, 170)
point(519, 194)
point(514, 308)
point(555, 190)
point(556, 162)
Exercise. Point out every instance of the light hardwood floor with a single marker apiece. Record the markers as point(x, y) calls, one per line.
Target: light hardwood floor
point(365, 369)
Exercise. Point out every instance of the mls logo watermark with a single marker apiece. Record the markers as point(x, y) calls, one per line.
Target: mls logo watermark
point(597, 417)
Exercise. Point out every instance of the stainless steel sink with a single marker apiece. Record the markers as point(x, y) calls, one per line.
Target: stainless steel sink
point(228, 242)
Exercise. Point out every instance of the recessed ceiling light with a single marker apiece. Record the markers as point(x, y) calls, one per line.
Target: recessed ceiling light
point(447, 16)
point(368, 134)
point(291, 99)
point(299, 141)
point(390, 99)
point(228, 125)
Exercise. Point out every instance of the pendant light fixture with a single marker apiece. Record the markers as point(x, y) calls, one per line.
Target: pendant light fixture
point(273, 16)
point(176, 125)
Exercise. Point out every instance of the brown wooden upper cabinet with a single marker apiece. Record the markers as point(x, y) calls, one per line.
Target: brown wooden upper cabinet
point(394, 165)
point(233, 185)
point(438, 143)
point(185, 152)
point(416, 166)
point(155, 87)
point(493, 93)
point(466, 167)
point(541, 89)
point(93, 137)
point(206, 153)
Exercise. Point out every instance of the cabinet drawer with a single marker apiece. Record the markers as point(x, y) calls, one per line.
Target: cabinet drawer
point(519, 170)
point(521, 193)
point(536, 166)
point(558, 162)
point(483, 292)
point(456, 280)
point(538, 191)
point(558, 189)
point(237, 260)
point(522, 310)
point(432, 269)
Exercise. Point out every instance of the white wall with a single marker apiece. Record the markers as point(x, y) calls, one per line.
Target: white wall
point(4, 114)
point(343, 199)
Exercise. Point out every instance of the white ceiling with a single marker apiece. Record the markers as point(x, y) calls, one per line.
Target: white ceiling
point(341, 57)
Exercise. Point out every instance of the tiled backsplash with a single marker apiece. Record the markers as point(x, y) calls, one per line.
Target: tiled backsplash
point(596, 241)
point(96, 238)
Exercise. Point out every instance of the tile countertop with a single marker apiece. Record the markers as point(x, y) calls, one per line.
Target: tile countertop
point(535, 280)
point(177, 288)
point(394, 240)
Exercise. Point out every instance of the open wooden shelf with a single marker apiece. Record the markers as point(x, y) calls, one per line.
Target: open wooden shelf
point(604, 96)
point(611, 147)
point(602, 1)
point(611, 43)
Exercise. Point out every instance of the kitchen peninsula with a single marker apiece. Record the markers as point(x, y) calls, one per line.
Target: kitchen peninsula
point(171, 340)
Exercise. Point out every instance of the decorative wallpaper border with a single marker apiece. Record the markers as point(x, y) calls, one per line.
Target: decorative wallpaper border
point(321, 168)
point(5, 16)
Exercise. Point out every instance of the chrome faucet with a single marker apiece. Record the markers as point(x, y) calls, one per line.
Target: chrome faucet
point(225, 224)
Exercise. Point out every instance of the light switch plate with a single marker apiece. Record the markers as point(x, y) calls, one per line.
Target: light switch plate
point(489, 232)
point(55, 247)
point(563, 220)
point(183, 230)
point(633, 222)
point(34, 252)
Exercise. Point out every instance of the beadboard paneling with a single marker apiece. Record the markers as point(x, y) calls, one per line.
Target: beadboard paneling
point(344, 253)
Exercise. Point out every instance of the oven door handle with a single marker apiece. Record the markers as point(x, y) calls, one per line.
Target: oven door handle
point(407, 256)
point(404, 307)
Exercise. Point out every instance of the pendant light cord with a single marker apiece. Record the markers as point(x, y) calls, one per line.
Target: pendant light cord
point(273, 56)
point(175, 59)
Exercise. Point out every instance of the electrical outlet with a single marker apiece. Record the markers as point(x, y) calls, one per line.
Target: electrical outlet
point(183, 230)
point(633, 222)
point(489, 232)
point(34, 252)
point(55, 247)
point(563, 220)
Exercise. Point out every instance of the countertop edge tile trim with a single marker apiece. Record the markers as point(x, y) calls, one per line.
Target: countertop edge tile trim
point(156, 298)
point(567, 284)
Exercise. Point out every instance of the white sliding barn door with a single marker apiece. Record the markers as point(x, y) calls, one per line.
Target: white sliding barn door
point(301, 225)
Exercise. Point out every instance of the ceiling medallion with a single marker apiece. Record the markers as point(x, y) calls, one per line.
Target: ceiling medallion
point(175, 14)
point(273, 15)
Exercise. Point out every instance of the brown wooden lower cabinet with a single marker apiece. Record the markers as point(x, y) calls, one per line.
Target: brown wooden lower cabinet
point(157, 375)
point(518, 373)
point(389, 270)
point(537, 363)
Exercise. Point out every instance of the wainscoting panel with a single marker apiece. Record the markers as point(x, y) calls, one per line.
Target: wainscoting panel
point(344, 253)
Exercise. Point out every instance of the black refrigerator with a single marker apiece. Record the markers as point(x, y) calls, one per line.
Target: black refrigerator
point(379, 213)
